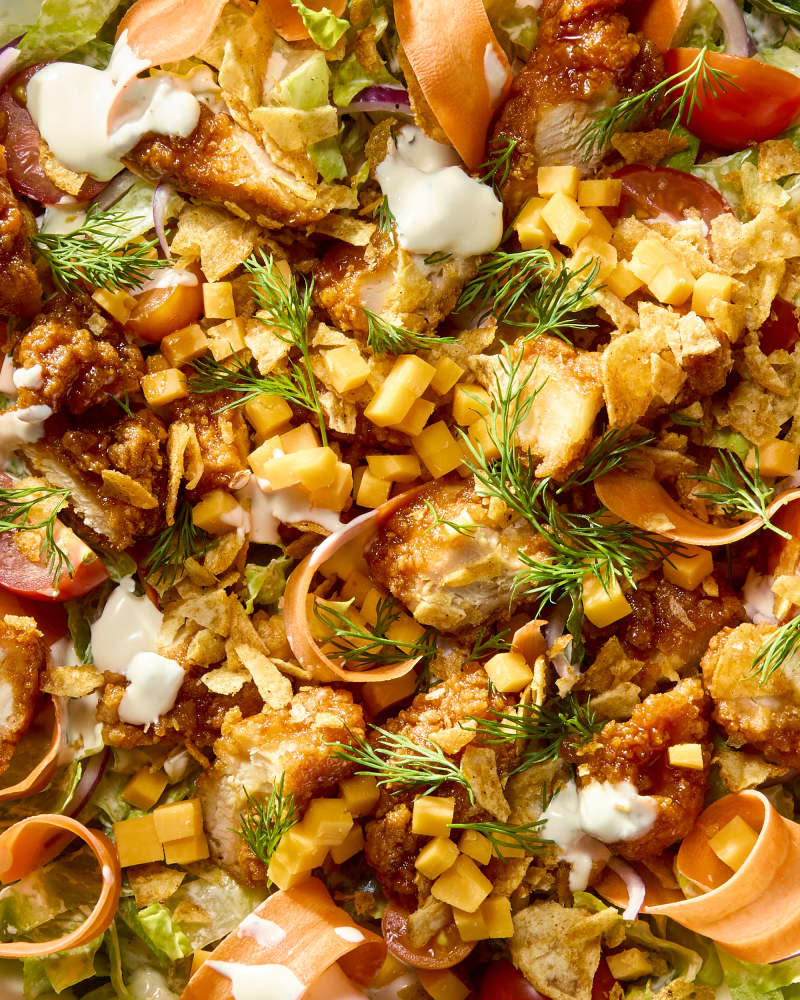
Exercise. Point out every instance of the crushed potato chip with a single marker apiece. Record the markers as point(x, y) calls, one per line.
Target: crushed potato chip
point(154, 883)
point(479, 767)
point(71, 682)
point(221, 241)
point(122, 487)
point(223, 680)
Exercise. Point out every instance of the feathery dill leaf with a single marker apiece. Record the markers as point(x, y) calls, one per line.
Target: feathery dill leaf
point(497, 165)
point(385, 338)
point(385, 219)
point(17, 513)
point(786, 11)
point(554, 307)
point(738, 490)
point(503, 280)
point(264, 823)
point(178, 542)
point(525, 836)
point(357, 646)
point(441, 522)
point(437, 257)
point(613, 450)
point(487, 642)
point(783, 644)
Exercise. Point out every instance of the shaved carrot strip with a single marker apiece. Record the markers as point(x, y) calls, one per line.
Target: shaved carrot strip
point(528, 640)
point(287, 21)
point(646, 503)
point(295, 603)
point(661, 20)
point(307, 934)
point(456, 58)
point(30, 844)
point(40, 776)
point(165, 31)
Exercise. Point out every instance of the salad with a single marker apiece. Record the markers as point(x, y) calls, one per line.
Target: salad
point(400, 499)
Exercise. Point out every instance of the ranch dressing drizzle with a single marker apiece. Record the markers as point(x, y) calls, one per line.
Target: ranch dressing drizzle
point(255, 982)
point(265, 933)
point(71, 104)
point(436, 205)
point(21, 427)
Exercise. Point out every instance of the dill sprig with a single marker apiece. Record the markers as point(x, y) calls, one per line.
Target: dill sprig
point(680, 94)
point(360, 647)
point(497, 165)
point(394, 759)
point(385, 338)
point(17, 513)
point(441, 522)
point(124, 403)
point(504, 280)
point(487, 642)
point(525, 836)
point(783, 643)
point(264, 823)
point(613, 450)
point(737, 490)
point(178, 542)
point(385, 219)
point(436, 257)
point(93, 254)
point(554, 306)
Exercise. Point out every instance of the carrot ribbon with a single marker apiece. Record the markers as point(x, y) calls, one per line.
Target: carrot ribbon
point(39, 778)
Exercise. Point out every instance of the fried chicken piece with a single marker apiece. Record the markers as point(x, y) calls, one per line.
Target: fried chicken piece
point(20, 290)
point(22, 657)
point(398, 286)
point(447, 579)
point(636, 751)
point(585, 60)
point(223, 437)
point(254, 752)
point(84, 359)
point(765, 715)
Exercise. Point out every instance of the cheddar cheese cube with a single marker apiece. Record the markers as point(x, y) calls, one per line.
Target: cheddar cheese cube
point(484, 439)
point(432, 814)
point(217, 513)
point(601, 227)
point(282, 877)
point(688, 755)
point(463, 886)
point(708, 287)
point(558, 180)
point(226, 339)
point(119, 304)
point(395, 468)
point(328, 821)
point(436, 857)
point(372, 492)
point(447, 374)
point(416, 418)
point(470, 403)
point(164, 387)
point(603, 193)
point(509, 672)
point(183, 346)
point(218, 300)
point(299, 850)
point(336, 495)
point(360, 794)
point(438, 449)
point(604, 605)
point(347, 369)
point(312, 468)
point(404, 384)
point(349, 847)
point(470, 926)
point(496, 914)
point(622, 281)
point(267, 414)
point(137, 841)
point(672, 284)
point(568, 223)
point(380, 695)
point(734, 842)
point(775, 458)
point(299, 438)
point(531, 229)
point(632, 963)
point(186, 850)
point(198, 959)
point(475, 846)
point(648, 257)
point(594, 252)
point(145, 788)
point(442, 984)
point(179, 820)
point(688, 566)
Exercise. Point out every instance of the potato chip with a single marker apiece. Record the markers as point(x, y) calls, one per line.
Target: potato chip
point(153, 883)
point(212, 610)
point(647, 147)
point(223, 680)
point(184, 459)
point(205, 648)
point(243, 67)
point(274, 688)
point(220, 241)
point(777, 158)
point(423, 923)
point(293, 129)
point(356, 232)
point(739, 247)
point(741, 770)
point(479, 767)
point(454, 739)
point(267, 347)
point(222, 556)
point(71, 682)
point(60, 175)
point(679, 989)
point(122, 487)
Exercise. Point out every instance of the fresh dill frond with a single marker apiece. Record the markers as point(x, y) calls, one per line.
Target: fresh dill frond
point(178, 542)
point(487, 642)
point(786, 11)
point(93, 254)
point(684, 420)
point(680, 95)
point(783, 644)
point(738, 490)
point(394, 759)
point(360, 647)
point(264, 823)
point(437, 257)
point(525, 836)
point(18, 513)
point(385, 338)
point(124, 403)
point(613, 450)
point(497, 165)
point(385, 219)
point(504, 280)
point(441, 522)
point(554, 307)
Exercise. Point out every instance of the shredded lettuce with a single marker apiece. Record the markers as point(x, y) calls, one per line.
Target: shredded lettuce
point(323, 26)
point(162, 931)
point(306, 86)
point(350, 78)
point(326, 155)
point(62, 26)
point(266, 584)
point(516, 22)
point(747, 981)
point(704, 29)
point(218, 905)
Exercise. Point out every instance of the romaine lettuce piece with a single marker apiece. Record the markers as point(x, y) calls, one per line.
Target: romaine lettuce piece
point(63, 25)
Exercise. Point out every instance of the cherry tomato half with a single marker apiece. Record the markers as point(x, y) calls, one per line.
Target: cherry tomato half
point(161, 311)
point(781, 331)
point(659, 192)
point(443, 951)
point(758, 103)
point(50, 618)
point(505, 982)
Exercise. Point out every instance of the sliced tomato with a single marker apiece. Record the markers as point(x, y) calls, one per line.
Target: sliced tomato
point(50, 617)
point(759, 102)
point(443, 951)
point(782, 329)
point(161, 311)
point(603, 983)
point(505, 982)
point(661, 192)
point(25, 172)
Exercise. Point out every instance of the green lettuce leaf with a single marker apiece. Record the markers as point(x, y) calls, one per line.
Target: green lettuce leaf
point(705, 28)
point(266, 584)
point(219, 904)
point(747, 981)
point(350, 78)
point(323, 26)
point(686, 158)
point(63, 25)
point(163, 933)
point(307, 86)
point(326, 155)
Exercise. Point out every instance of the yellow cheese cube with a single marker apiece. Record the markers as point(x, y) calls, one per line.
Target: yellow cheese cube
point(496, 913)
point(312, 468)
point(416, 418)
point(463, 886)
point(509, 672)
point(476, 846)
point(145, 788)
point(227, 338)
point(281, 876)
point(349, 847)
point(599, 193)
point(734, 842)
point(568, 222)
point(688, 566)
point(299, 851)
point(162, 388)
point(404, 384)
point(673, 284)
point(391, 969)
point(710, 286)
point(184, 345)
point(299, 439)
point(218, 300)
point(470, 926)
point(119, 304)
point(470, 403)
point(372, 492)
point(688, 755)
point(775, 458)
point(554, 180)
point(633, 963)
point(404, 629)
point(622, 281)
point(360, 794)
point(506, 848)
point(187, 850)
point(328, 821)
point(179, 820)
point(347, 368)
point(198, 959)
point(217, 513)
point(591, 252)
point(436, 857)
point(649, 256)
point(431, 815)
point(600, 225)
point(137, 841)
point(603, 605)
point(337, 495)
point(395, 468)
point(267, 414)
point(442, 984)
point(380, 695)
point(447, 374)
point(356, 587)
point(531, 229)
point(438, 449)
point(481, 436)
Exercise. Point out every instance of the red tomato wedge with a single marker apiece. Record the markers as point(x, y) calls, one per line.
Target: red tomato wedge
point(758, 103)
point(782, 329)
point(50, 618)
point(659, 192)
point(505, 982)
point(443, 951)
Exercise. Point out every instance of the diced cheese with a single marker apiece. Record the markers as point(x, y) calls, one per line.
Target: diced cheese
point(372, 492)
point(328, 821)
point(558, 179)
point(404, 384)
point(217, 512)
point(436, 857)
point(734, 842)
point(604, 605)
point(145, 788)
point(710, 286)
point(604, 193)
point(688, 566)
point(183, 346)
point(442, 984)
point(218, 300)
point(179, 820)
point(346, 367)
point(496, 913)
point(187, 850)
point(438, 449)
point(360, 794)
point(431, 815)
point(775, 458)
point(268, 414)
point(509, 672)
point(688, 755)
point(470, 403)
point(463, 886)
point(447, 374)
point(568, 223)
point(395, 468)
point(164, 387)
point(476, 846)
point(470, 926)
point(349, 847)
point(137, 841)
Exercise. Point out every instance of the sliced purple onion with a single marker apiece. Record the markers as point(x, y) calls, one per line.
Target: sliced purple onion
point(161, 197)
point(737, 38)
point(634, 883)
point(114, 190)
point(89, 780)
point(12, 44)
point(380, 98)
point(9, 57)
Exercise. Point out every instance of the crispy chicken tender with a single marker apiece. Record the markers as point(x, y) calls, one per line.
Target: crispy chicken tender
point(84, 358)
point(767, 715)
point(398, 286)
point(636, 751)
point(20, 290)
point(223, 437)
point(254, 752)
point(447, 579)
point(22, 657)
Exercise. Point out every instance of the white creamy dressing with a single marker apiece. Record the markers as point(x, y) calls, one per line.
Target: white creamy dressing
point(351, 934)
point(270, 508)
point(256, 982)
point(396, 989)
point(21, 427)
point(496, 73)
point(581, 821)
point(28, 378)
point(147, 984)
point(124, 640)
point(177, 765)
point(265, 933)
point(71, 105)
point(436, 205)
point(167, 277)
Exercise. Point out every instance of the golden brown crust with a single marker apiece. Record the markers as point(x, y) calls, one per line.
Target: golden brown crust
point(223, 437)
point(20, 290)
point(22, 657)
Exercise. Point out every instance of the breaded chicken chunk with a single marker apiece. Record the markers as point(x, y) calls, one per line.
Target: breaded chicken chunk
point(22, 657)
point(223, 437)
point(451, 579)
point(20, 290)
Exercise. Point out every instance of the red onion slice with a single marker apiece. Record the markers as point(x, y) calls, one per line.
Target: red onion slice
point(633, 883)
point(9, 57)
point(114, 190)
point(161, 197)
point(90, 778)
point(381, 98)
point(737, 38)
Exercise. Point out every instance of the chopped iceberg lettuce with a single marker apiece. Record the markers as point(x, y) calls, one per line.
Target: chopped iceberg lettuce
point(62, 26)
point(266, 584)
point(323, 26)
point(212, 905)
